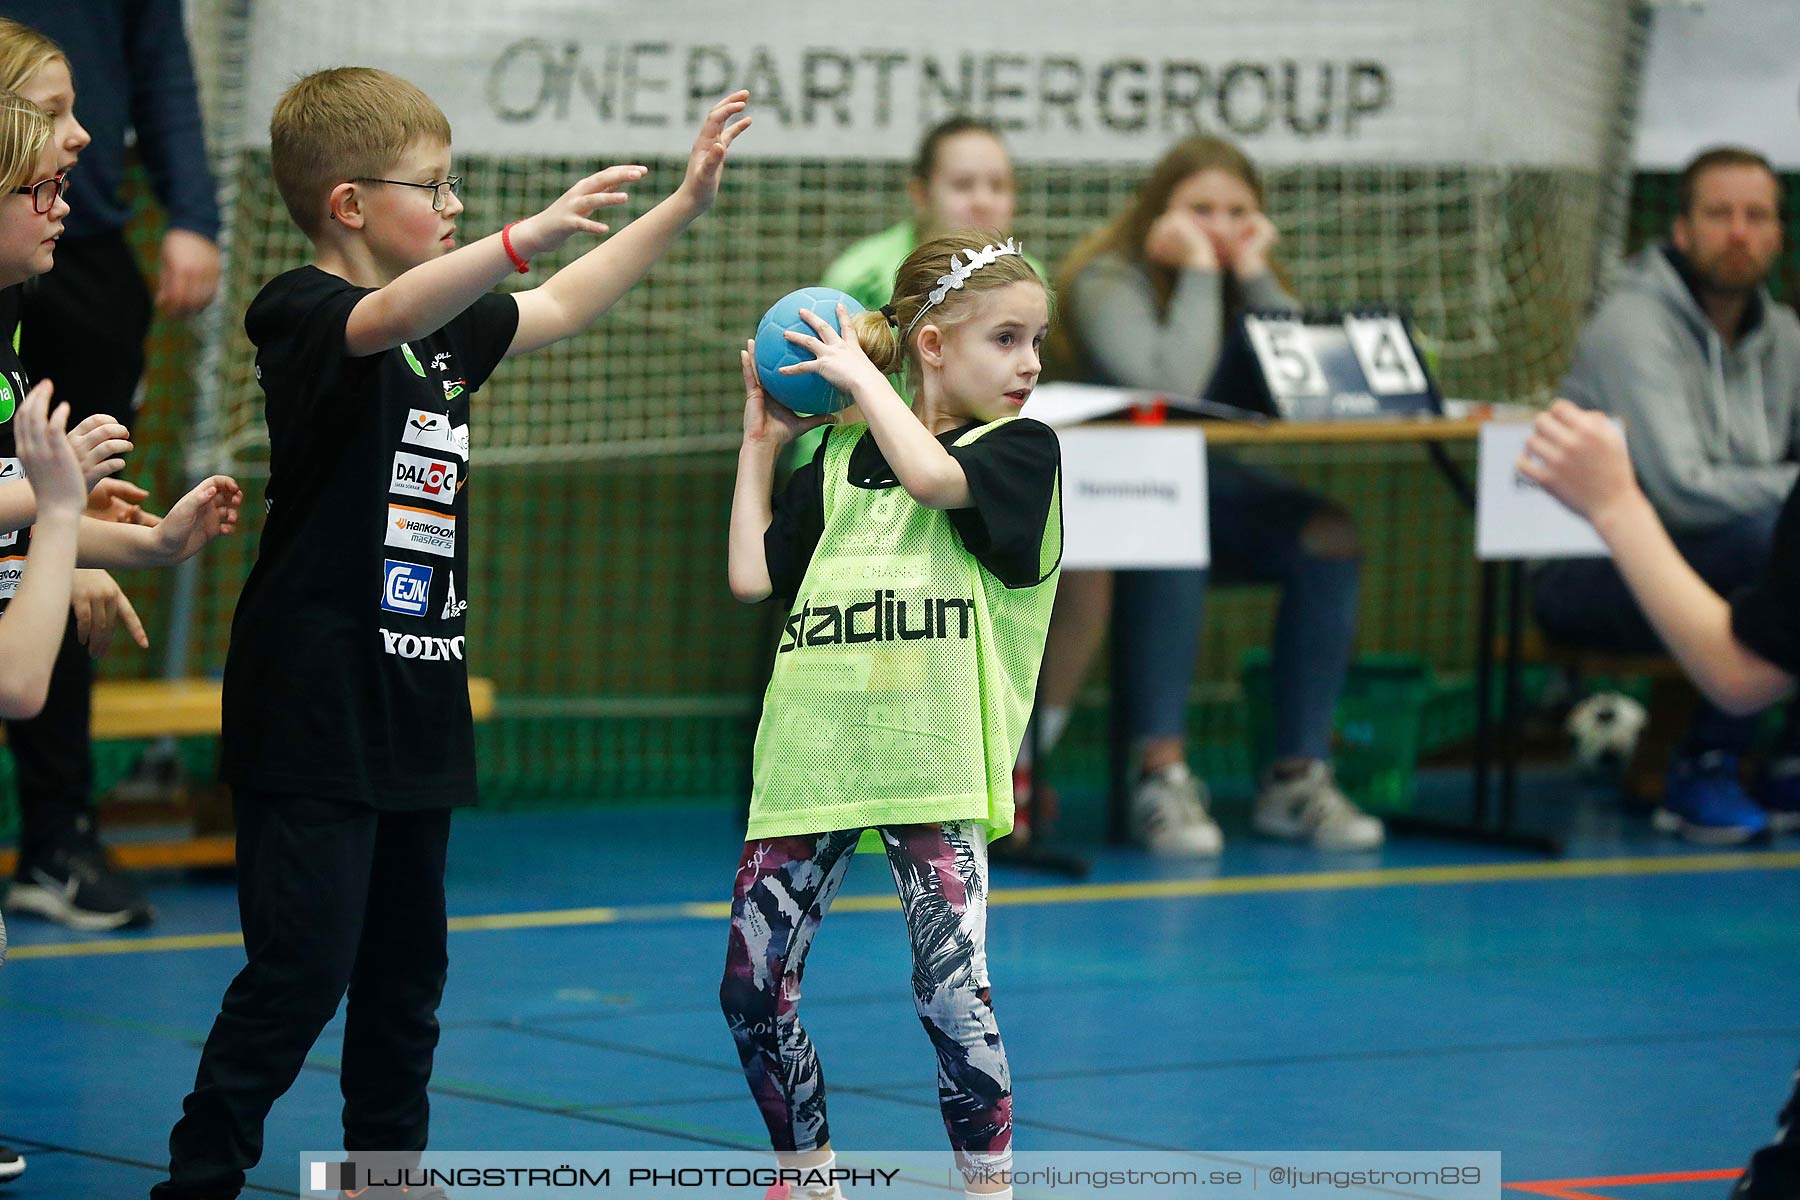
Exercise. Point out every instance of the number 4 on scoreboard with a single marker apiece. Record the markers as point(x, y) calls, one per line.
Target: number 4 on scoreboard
point(1386, 356)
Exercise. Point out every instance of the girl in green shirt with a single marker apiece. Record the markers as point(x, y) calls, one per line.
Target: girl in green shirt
point(920, 552)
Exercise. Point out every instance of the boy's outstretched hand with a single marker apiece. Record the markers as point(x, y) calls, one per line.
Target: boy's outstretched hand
point(707, 160)
point(568, 214)
point(210, 510)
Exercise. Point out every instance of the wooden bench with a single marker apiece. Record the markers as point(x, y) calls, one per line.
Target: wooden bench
point(127, 709)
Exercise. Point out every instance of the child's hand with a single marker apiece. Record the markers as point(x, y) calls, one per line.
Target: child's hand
point(568, 215)
point(1579, 457)
point(120, 502)
point(838, 358)
point(46, 453)
point(1176, 240)
point(1252, 257)
point(768, 422)
point(207, 512)
point(100, 605)
point(99, 442)
point(707, 160)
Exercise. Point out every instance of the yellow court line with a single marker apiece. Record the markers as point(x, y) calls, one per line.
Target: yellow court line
point(1081, 893)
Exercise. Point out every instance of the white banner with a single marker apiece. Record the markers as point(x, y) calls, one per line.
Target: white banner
point(1721, 71)
point(1134, 498)
point(1528, 82)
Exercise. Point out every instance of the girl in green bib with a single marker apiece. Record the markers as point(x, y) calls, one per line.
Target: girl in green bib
point(918, 554)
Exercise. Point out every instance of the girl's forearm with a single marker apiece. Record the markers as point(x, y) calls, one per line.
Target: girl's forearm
point(747, 562)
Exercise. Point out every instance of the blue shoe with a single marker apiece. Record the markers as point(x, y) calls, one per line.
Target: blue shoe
point(1705, 802)
point(1778, 791)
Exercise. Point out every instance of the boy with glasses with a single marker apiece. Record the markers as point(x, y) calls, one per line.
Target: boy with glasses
point(347, 737)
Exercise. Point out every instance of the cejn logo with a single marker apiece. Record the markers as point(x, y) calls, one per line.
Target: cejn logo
point(434, 432)
point(405, 587)
point(420, 529)
point(415, 475)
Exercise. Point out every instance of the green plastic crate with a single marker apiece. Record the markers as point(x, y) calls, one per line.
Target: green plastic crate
point(1378, 725)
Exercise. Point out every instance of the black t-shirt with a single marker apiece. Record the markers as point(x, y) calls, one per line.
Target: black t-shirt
point(1766, 615)
point(1012, 480)
point(346, 673)
point(13, 385)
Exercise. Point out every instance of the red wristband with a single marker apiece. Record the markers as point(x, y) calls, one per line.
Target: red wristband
point(506, 241)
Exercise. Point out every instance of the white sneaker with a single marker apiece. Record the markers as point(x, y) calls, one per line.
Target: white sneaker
point(1168, 815)
point(12, 1164)
point(1310, 808)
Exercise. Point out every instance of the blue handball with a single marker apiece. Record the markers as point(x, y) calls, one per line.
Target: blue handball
point(808, 395)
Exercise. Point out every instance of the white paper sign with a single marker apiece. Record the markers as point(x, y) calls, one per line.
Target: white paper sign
point(1059, 404)
point(1134, 499)
point(1514, 517)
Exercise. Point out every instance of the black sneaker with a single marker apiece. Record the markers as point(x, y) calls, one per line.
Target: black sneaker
point(80, 889)
point(1772, 1174)
point(12, 1164)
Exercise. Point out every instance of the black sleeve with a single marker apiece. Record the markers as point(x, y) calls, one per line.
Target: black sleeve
point(1013, 477)
point(799, 521)
point(1766, 615)
point(297, 323)
point(482, 334)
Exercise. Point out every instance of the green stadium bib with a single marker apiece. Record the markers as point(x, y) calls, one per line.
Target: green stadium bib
point(905, 672)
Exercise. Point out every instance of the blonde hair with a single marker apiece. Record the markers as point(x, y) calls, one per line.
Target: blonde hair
point(913, 283)
point(23, 53)
point(345, 123)
point(25, 129)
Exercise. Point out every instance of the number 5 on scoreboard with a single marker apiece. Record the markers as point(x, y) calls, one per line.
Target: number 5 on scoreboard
point(1386, 356)
point(1287, 356)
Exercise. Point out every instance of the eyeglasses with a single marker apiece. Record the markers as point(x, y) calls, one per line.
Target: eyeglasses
point(44, 192)
point(441, 190)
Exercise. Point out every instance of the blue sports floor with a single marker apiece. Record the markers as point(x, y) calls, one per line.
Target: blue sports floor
point(1626, 1013)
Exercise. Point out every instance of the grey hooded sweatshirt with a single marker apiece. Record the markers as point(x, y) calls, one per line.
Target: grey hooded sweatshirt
point(1713, 430)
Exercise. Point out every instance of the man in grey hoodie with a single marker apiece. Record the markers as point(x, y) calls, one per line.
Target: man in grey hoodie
point(1703, 367)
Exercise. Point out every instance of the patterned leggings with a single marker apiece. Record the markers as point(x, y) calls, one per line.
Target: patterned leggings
point(784, 885)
